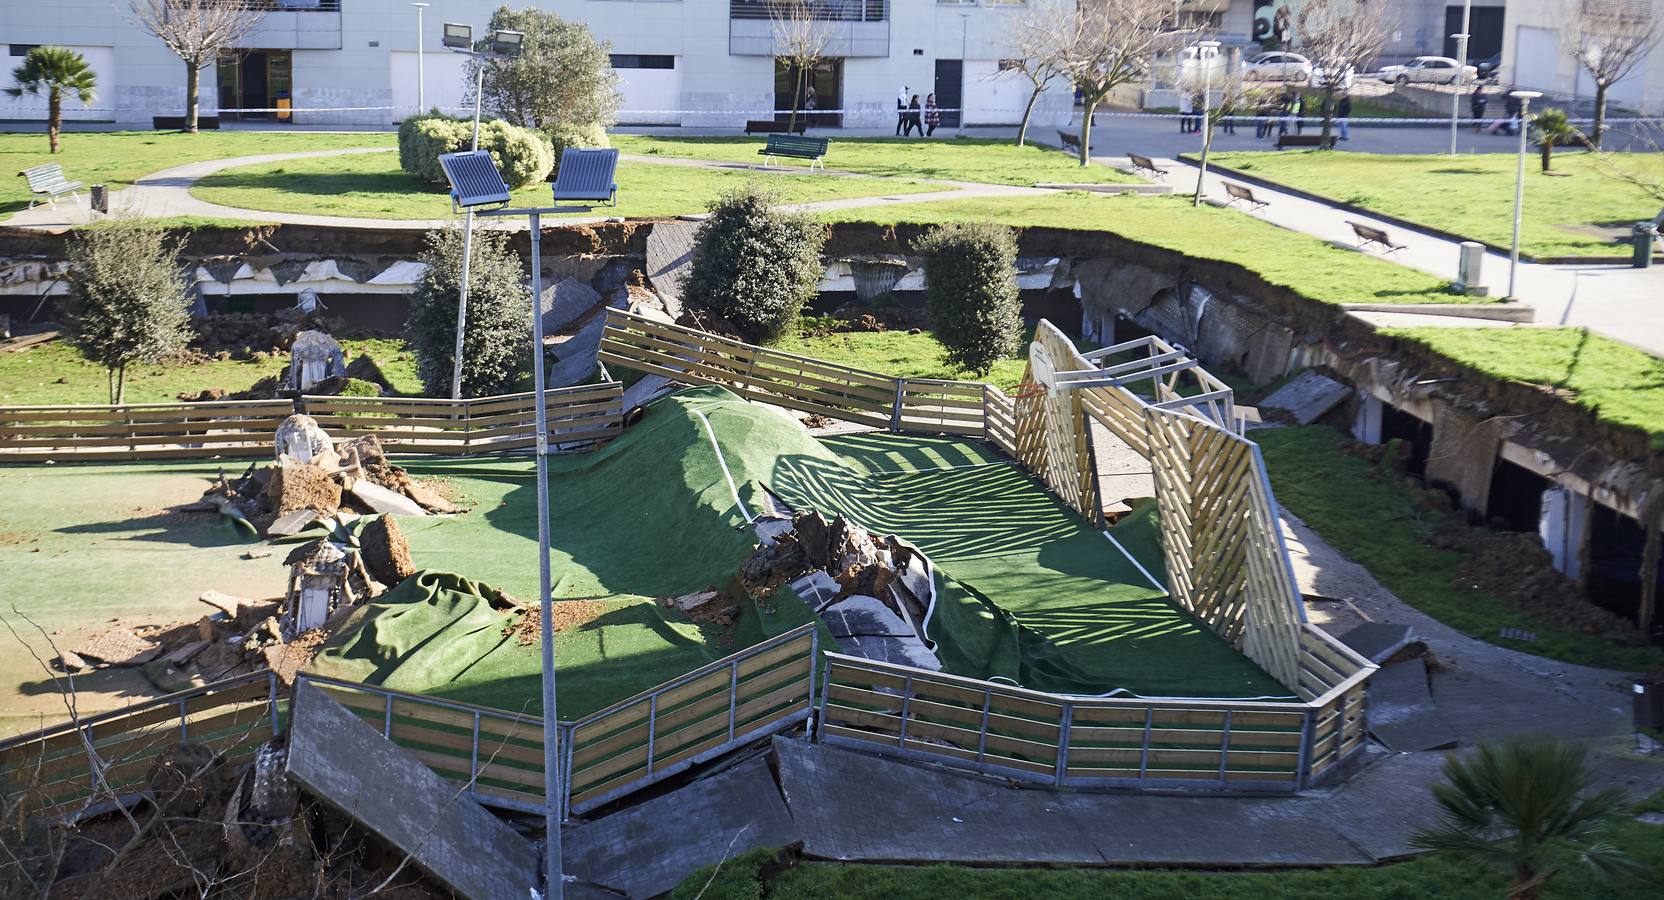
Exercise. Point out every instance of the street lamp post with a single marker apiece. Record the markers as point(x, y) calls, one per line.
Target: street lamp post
point(1461, 65)
point(1525, 98)
point(421, 69)
point(964, 42)
point(460, 38)
point(1206, 52)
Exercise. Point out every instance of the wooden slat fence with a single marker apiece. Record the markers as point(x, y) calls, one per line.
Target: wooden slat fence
point(244, 428)
point(76, 766)
point(1057, 739)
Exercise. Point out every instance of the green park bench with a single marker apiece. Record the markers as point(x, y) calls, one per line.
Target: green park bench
point(812, 149)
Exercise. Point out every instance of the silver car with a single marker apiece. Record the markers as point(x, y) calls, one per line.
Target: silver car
point(1278, 66)
point(1427, 70)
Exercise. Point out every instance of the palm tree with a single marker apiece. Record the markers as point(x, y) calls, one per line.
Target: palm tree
point(1554, 130)
point(1524, 804)
point(57, 69)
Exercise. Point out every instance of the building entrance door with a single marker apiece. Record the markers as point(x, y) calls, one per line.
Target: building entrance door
point(950, 75)
point(824, 83)
point(254, 79)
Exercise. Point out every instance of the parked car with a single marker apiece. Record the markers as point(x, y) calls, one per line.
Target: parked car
point(1486, 68)
point(1427, 70)
point(1278, 66)
point(1320, 78)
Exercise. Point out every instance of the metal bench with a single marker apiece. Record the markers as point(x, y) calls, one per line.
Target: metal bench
point(770, 126)
point(1369, 234)
point(1145, 164)
point(1069, 140)
point(1238, 192)
point(587, 176)
point(789, 146)
point(1284, 141)
point(48, 181)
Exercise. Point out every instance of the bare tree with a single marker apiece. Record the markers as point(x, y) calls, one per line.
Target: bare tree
point(196, 31)
point(1609, 38)
point(1036, 52)
point(1105, 44)
point(1340, 37)
point(801, 36)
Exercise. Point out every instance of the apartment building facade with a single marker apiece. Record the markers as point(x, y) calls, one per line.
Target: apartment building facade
point(706, 63)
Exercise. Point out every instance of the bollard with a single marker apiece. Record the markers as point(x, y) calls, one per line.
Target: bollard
point(1649, 704)
point(1642, 235)
point(100, 198)
point(1470, 262)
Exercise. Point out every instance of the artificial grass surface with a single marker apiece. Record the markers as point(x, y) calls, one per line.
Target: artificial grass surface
point(372, 185)
point(1027, 590)
point(1473, 195)
point(1378, 524)
point(1309, 266)
point(1617, 382)
point(949, 158)
point(118, 158)
point(31, 377)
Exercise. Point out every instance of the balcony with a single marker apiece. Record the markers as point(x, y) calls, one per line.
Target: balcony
point(296, 25)
point(850, 27)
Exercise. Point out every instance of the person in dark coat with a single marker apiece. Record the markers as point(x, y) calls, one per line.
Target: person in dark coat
point(1343, 115)
point(913, 121)
point(1477, 104)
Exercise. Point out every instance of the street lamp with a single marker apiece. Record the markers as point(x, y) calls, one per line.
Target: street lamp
point(1525, 98)
point(1461, 64)
point(460, 39)
point(1206, 53)
point(421, 70)
point(964, 41)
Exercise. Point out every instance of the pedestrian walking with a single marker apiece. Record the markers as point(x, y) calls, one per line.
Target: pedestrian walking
point(1184, 112)
point(1297, 106)
point(1511, 109)
point(1343, 114)
point(1262, 119)
point(901, 110)
point(809, 106)
point(1227, 115)
point(1285, 114)
point(1477, 104)
point(913, 121)
point(932, 115)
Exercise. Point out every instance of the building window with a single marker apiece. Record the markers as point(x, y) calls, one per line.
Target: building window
point(643, 61)
point(1007, 65)
point(22, 49)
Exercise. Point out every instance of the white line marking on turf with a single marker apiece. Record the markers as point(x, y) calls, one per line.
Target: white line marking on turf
point(711, 433)
point(1158, 585)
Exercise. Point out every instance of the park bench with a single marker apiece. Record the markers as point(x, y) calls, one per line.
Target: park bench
point(1238, 192)
point(1069, 140)
point(587, 176)
point(1284, 141)
point(812, 149)
point(49, 181)
point(177, 123)
point(1369, 234)
point(771, 126)
point(1145, 164)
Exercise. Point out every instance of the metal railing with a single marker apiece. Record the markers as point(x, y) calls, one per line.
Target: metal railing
point(817, 10)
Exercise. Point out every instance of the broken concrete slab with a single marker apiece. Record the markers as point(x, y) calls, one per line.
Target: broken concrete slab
point(646, 389)
point(292, 523)
point(566, 301)
point(1307, 396)
point(1402, 709)
point(119, 647)
point(901, 651)
point(646, 850)
point(1376, 641)
point(338, 757)
point(861, 616)
point(817, 589)
point(383, 500)
point(670, 256)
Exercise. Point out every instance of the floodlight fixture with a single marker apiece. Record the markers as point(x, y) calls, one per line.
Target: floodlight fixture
point(507, 43)
point(458, 37)
point(474, 179)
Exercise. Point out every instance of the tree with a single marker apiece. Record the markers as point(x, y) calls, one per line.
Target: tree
point(1340, 37)
point(754, 266)
point(970, 274)
point(1609, 38)
point(801, 36)
point(1104, 44)
point(197, 31)
point(1034, 45)
point(1525, 805)
point(562, 81)
point(1233, 95)
point(127, 301)
point(1554, 130)
point(57, 70)
point(494, 354)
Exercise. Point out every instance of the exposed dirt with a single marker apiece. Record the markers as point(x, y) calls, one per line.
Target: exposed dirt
point(301, 486)
point(386, 552)
point(565, 615)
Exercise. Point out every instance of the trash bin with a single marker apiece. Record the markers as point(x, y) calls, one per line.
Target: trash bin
point(1649, 704)
point(1643, 234)
point(100, 198)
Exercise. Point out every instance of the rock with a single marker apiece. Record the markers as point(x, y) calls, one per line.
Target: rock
point(70, 661)
point(296, 485)
point(690, 603)
point(385, 501)
point(300, 437)
point(259, 552)
point(385, 551)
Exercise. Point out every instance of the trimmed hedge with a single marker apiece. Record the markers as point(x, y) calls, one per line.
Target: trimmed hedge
point(521, 154)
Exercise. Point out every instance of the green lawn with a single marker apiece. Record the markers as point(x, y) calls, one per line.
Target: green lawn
point(373, 185)
point(897, 353)
point(1311, 267)
point(118, 158)
point(954, 159)
point(1619, 383)
point(1425, 878)
point(1473, 195)
point(30, 377)
point(1376, 522)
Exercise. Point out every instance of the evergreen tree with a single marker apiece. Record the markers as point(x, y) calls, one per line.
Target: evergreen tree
point(495, 347)
point(127, 301)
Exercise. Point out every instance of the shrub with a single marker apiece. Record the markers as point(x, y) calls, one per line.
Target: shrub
point(522, 155)
point(127, 299)
point(561, 137)
point(754, 267)
point(970, 272)
point(495, 348)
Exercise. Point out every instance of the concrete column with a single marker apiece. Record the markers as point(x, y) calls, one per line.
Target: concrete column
point(1561, 526)
point(1367, 426)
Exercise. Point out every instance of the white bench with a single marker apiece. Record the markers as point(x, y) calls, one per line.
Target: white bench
point(49, 181)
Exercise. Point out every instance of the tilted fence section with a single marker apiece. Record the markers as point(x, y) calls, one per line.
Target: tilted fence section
point(232, 428)
point(104, 758)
